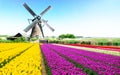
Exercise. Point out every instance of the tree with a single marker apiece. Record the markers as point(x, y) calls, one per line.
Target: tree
point(70, 36)
point(62, 36)
point(66, 36)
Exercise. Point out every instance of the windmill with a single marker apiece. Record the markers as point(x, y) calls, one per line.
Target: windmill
point(36, 25)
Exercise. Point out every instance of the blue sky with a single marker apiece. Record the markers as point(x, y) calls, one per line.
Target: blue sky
point(93, 18)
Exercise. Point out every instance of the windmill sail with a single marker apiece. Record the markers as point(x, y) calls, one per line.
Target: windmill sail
point(41, 30)
point(45, 10)
point(49, 27)
point(29, 10)
point(45, 22)
point(30, 26)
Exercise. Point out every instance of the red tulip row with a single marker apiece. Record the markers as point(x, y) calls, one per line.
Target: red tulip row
point(111, 48)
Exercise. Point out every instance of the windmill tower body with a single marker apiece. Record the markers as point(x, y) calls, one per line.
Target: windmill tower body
point(36, 32)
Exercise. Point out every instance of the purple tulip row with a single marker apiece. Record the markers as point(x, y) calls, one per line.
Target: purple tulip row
point(103, 64)
point(104, 58)
point(58, 64)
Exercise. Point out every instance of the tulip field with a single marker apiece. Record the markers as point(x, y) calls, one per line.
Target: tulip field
point(110, 48)
point(20, 59)
point(70, 61)
point(26, 59)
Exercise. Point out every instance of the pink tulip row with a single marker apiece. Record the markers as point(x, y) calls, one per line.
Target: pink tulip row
point(103, 64)
point(58, 64)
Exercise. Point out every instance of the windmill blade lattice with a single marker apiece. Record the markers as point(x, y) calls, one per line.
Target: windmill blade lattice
point(29, 10)
point(45, 22)
point(42, 13)
point(30, 26)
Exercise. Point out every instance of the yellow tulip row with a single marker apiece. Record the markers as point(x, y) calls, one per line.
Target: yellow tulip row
point(5, 55)
point(28, 63)
point(7, 46)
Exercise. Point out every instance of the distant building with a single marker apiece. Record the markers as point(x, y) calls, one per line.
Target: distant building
point(18, 35)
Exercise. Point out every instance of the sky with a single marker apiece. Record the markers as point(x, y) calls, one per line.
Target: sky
point(88, 18)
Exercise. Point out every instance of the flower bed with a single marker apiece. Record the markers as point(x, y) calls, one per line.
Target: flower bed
point(59, 65)
point(112, 48)
point(23, 60)
point(102, 64)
